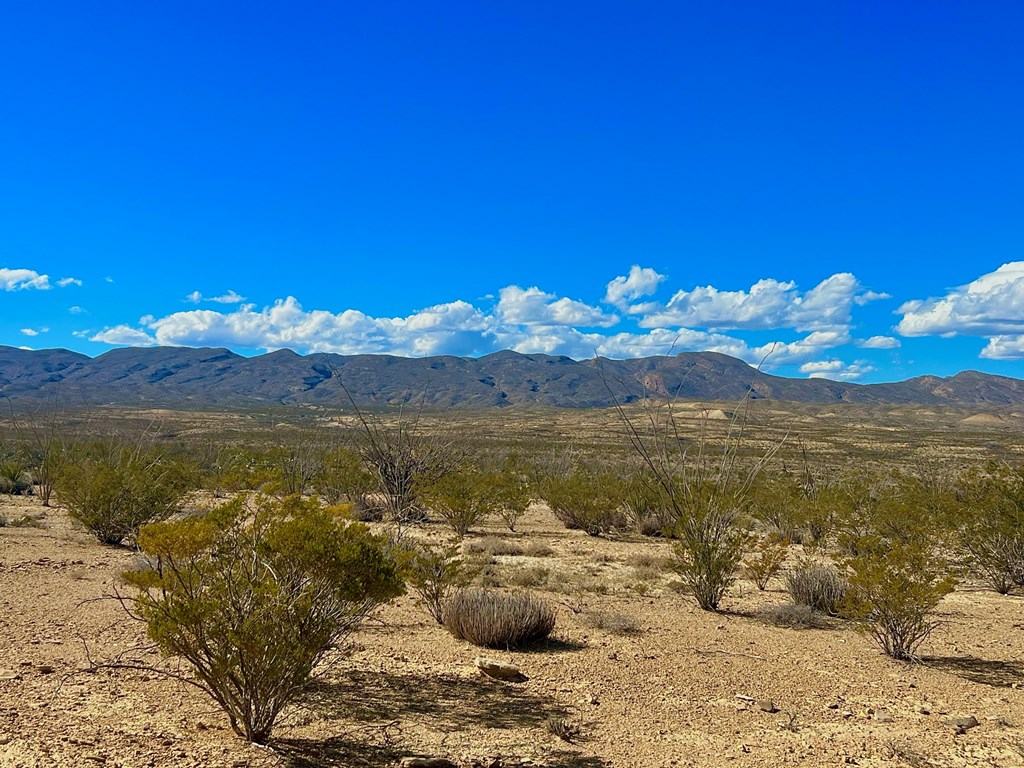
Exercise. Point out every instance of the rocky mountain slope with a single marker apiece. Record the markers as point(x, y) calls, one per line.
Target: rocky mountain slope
point(180, 376)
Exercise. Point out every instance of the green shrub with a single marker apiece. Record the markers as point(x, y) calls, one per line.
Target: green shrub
point(585, 500)
point(120, 488)
point(15, 479)
point(463, 498)
point(434, 574)
point(497, 619)
point(992, 534)
point(818, 586)
point(253, 594)
point(765, 562)
point(893, 588)
point(707, 554)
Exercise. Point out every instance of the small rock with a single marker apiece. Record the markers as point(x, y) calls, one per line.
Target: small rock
point(6, 674)
point(499, 670)
point(767, 705)
point(924, 710)
point(5, 739)
point(964, 724)
point(45, 669)
point(847, 714)
point(427, 762)
point(882, 716)
point(748, 699)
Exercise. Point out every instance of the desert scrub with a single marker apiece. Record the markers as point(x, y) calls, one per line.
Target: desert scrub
point(893, 590)
point(992, 535)
point(765, 562)
point(253, 594)
point(819, 586)
point(462, 498)
point(585, 500)
point(115, 489)
point(613, 622)
point(791, 616)
point(708, 554)
point(498, 619)
point(434, 574)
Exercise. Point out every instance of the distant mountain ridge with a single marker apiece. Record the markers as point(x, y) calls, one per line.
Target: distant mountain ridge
point(197, 378)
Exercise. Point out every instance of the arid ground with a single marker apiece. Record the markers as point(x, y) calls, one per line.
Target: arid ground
point(636, 671)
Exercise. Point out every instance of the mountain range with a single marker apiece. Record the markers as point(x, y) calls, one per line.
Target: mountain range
point(201, 378)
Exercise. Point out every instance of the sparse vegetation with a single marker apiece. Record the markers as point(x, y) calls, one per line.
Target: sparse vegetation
point(113, 489)
point(253, 594)
point(585, 499)
point(893, 589)
point(434, 574)
point(765, 562)
point(791, 616)
point(498, 619)
point(818, 586)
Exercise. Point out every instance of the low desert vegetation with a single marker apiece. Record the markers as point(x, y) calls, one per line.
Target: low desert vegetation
point(254, 594)
point(494, 619)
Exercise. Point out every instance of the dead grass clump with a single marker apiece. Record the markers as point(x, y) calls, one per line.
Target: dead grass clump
point(498, 620)
point(25, 521)
point(612, 622)
point(563, 729)
point(791, 616)
point(818, 586)
point(531, 576)
point(495, 546)
point(538, 549)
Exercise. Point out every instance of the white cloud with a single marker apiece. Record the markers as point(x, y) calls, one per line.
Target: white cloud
point(64, 282)
point(228, 298)
point(34, 331)
point(76, 310)
point(534, 307)
point(23, 279)
point(879, 342)
point(992, 305)
point(836, 370)
point(527, 320)
point(124, 335)
point(768, 304)
point(640, 282)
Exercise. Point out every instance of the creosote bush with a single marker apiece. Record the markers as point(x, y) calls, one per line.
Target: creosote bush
point(893, 589)
point(819, 586)
point(434, 574)
point(585, 500)
point(708, 552)
point(117, 488)
point(766, 560)
point(253, 594)
point(498, 619)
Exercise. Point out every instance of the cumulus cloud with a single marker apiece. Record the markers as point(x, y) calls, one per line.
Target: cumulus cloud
point(228, 298)
point(835, 369)
point(124, 335)
point(533, 321)
point(34, 331)
point(23, 279)
point(991, 306)
point(533, 306)
point(29, 279)
point(640, 282)
point(767, 304)
point(879, 342)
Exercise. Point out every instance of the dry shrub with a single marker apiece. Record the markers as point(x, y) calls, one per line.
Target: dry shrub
point(766, 560)
point(613, 622)
point(818, 586)
point(495, 546)
point(791, 615)
point(497, 619)
point(538, 549)
point(434, 574)
point(530, 576)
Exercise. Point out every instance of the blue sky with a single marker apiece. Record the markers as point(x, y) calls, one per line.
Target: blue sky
point(839, 183)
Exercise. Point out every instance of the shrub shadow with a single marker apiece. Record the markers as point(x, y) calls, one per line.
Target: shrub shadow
point(448, 702)
point(998, 674)
point(334, 751)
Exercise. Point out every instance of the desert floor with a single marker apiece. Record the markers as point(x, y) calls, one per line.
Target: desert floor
point(663, 696)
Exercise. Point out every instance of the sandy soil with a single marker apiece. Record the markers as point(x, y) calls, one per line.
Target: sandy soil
point(666, 696)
